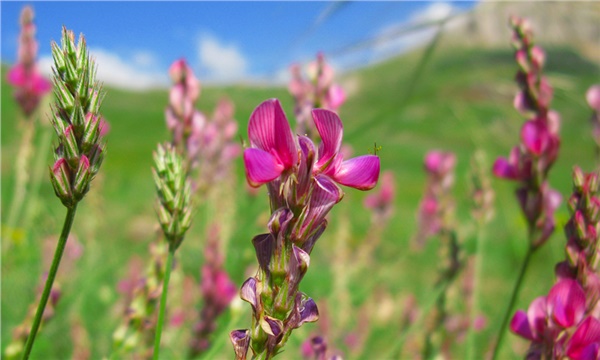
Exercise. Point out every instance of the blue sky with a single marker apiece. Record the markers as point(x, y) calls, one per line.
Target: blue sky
point(135, 42)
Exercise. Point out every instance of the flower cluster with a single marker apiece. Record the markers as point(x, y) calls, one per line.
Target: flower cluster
point(217, 292)
point(174, 194)
point(214, 145)
point(582, 230)
point(183, 120)
point(302, 185)
point(565, 322)
point(530, 162)
point(435, 207)
point(318, 91)
point(208, 143)
point(30, 84)
point(76, 120)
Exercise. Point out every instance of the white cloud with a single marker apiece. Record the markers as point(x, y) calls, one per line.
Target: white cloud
point(114, 70)
point(144, 59)
point(391, 45)
point(224, 62)
point(434, 12)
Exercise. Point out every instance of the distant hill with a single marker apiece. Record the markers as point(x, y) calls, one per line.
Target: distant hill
point(573, 23)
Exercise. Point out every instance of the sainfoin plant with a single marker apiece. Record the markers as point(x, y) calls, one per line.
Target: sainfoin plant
point(76, 120)
point(530, 161)
point(303, 187)
point(565, 324)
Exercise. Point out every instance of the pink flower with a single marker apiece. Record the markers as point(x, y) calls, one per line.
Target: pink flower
point(320, 72)
point(548, 316)
point(275, 149)
point(593, 97)
point(30, 84)
point(439, 163)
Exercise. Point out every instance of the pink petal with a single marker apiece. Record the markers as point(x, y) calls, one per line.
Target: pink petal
point(534, 136)
point(361, 172)
point(336, 96)
point(503, 169)
point(261, 167)
point(16, 76)
point(536, 314)
point(331, 130)
point(538, 56)
point(553, 121)
point(585, 342)
point(566, 301)
point(593, 97)
point(270, 131)
point(520, 325)
point(552, 200)
point(177, 70)
point(40, 85)
point(433, 161)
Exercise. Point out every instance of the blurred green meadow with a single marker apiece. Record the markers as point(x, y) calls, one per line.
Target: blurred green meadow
point(455, 99)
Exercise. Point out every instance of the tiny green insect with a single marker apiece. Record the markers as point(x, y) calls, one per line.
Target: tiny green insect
point(375, 149)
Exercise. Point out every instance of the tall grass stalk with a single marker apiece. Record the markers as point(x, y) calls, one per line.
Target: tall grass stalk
point(513, 299)
point(26, 148)
point(479, 254)
point(62, 241)
point(163, 303)
point(398, 346)
point(38, 171)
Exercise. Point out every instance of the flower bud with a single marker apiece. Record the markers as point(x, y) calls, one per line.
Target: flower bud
point(82, 178)
point(578, 178)
point(58, 56)
point(64, 97)
point(60, 178)
point(241, 341)
point(82, 53)
point(71, 150)
point(91, 132)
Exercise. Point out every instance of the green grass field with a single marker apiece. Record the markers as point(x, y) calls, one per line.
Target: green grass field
point(461, 102)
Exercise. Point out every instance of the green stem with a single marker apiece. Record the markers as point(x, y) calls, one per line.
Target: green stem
point(60, 247)
point(512, 301)
point(163, 303)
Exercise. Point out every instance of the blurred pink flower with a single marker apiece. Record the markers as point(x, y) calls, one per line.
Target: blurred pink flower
point(30, 85)
point(382, 201)
point(593, 97)
point(316, 91)
point(548, 316)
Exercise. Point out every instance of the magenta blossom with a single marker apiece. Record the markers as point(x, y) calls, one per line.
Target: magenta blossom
point(275, 150)
point(549, 316)
point(30, 85)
